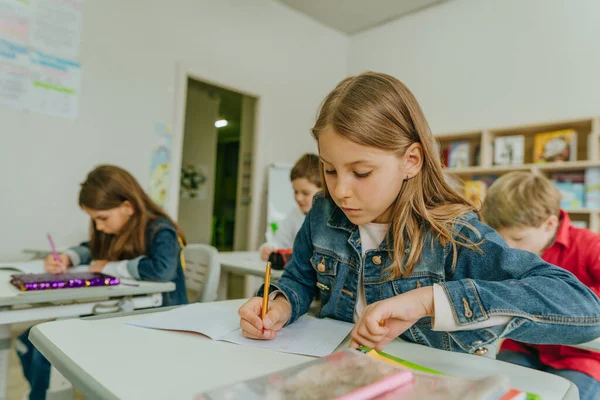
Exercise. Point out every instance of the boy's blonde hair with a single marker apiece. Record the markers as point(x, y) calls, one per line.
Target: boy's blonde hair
point(307, 167)
point(377, 110)
point(520, 199)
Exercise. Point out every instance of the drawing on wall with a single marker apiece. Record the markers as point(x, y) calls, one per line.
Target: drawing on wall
point(161, 164)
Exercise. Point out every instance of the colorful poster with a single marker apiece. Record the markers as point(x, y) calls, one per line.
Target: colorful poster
point(161, 163)
point(56, 26)
point(39, 42)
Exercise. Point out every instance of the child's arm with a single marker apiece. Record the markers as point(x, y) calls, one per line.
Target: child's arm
point(548, 304)
point(80, 254)
point(298, 282)
point(162, 260)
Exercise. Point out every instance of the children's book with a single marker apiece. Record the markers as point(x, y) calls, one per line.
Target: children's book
point(509, 150)
point(572, 189)
point(555, 146)
point(592, 188)
point(459, 154)
point(353, 375)
point(475, 191)
point(308, 335)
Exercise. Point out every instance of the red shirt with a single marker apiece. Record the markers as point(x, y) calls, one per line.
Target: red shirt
point(578, 251)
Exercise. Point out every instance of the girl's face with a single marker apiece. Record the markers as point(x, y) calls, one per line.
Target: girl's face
point(111, 221)
point(364, 181)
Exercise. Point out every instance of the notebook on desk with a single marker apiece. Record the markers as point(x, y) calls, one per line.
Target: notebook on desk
point(29, 282)
point(307, 336)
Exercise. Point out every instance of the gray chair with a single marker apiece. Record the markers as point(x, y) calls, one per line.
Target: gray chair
point(202, 272)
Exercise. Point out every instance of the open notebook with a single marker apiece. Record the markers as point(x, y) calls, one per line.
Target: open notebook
point(308, 335)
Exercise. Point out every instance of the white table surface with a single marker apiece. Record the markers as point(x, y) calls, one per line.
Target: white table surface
point(29, 306)
point(10, 295)
point(245, 262)
point(107, 359)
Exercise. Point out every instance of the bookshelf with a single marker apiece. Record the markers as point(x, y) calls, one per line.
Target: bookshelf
point(587, 155)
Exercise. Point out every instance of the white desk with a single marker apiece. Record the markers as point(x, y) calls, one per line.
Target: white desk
point(106, 359)
point(17, 306)
point(246, 263)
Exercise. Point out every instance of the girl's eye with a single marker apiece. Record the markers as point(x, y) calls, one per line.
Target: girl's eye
point(330, 172)
point(365, 175)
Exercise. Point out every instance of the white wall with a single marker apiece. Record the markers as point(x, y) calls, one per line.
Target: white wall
point(488, 63)
point(129, 51)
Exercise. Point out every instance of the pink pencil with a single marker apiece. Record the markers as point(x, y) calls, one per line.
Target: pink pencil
point(385, 385)
point(53, 249)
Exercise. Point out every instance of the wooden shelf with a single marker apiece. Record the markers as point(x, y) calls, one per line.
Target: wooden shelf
point(582, 210)
point(587, 154)
point(500, 169)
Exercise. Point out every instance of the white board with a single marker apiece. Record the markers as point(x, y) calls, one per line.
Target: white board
point(280, 195)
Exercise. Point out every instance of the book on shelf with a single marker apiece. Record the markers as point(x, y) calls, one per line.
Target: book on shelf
point(579, 224)
point(592, 188)
point(572, 189)
point(509, 150)
point(555, 146)
point(459, 154)
point(475, 190)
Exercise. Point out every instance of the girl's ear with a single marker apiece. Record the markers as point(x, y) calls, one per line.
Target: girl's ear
point(414, 160)
point(127, 208)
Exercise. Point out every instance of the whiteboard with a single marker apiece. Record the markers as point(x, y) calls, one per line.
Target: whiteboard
point(280, 195)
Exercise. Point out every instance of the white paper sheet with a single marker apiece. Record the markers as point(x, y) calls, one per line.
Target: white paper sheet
point(308, 335)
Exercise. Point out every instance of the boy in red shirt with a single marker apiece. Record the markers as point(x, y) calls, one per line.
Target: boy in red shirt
point(524, 208)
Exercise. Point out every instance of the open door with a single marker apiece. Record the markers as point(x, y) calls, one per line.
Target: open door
point(198, 164)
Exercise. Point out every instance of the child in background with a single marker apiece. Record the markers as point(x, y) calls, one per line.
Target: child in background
point(524, 208)
point(130, 237)
point(306, 181)
point(390, 246)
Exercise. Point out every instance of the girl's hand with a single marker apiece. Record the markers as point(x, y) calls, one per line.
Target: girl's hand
point(98, 265)
point(265, 253)
point(53, 267)
point(385, 320)
point(254, 327)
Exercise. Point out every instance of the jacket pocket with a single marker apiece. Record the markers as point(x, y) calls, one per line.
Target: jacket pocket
point(325, 267)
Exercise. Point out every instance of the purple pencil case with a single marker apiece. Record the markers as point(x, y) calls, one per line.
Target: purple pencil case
point(27, 282)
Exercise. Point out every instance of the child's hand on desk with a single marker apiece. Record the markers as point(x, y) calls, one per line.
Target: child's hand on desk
point(98, 265)
point(53, 267)
point(254, 327)
point(265, 253)
point(385, 320)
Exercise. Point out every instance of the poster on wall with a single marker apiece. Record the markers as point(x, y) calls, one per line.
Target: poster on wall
point(161, 164)
point(39, 41)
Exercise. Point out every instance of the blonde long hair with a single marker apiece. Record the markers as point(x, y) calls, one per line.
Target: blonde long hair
point(377, 110)
point(107, 187)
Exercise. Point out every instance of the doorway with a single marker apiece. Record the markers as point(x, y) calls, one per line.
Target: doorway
point(215, 181)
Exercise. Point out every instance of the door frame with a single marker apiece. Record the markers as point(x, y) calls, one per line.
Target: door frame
point(183, 73)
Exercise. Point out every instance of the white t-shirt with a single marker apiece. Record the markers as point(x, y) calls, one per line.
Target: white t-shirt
point(287, 231)
point(371, 236)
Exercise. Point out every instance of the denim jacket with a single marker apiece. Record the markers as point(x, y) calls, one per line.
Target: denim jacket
point(161, 264)
point(548, 304)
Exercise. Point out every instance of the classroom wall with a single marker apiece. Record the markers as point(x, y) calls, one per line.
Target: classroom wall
point(130, 51)
point(485, 63)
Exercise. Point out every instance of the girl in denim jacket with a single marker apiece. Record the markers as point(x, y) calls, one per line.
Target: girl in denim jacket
point(391, 247)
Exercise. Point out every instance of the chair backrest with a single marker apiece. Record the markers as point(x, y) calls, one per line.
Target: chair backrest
point(202, 272)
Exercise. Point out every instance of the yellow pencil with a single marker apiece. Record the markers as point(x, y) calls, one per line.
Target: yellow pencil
point(265, 303)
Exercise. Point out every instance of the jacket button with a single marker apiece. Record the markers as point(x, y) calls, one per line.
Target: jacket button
point(321, 267)
point(480, 351)
point(376, 260)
